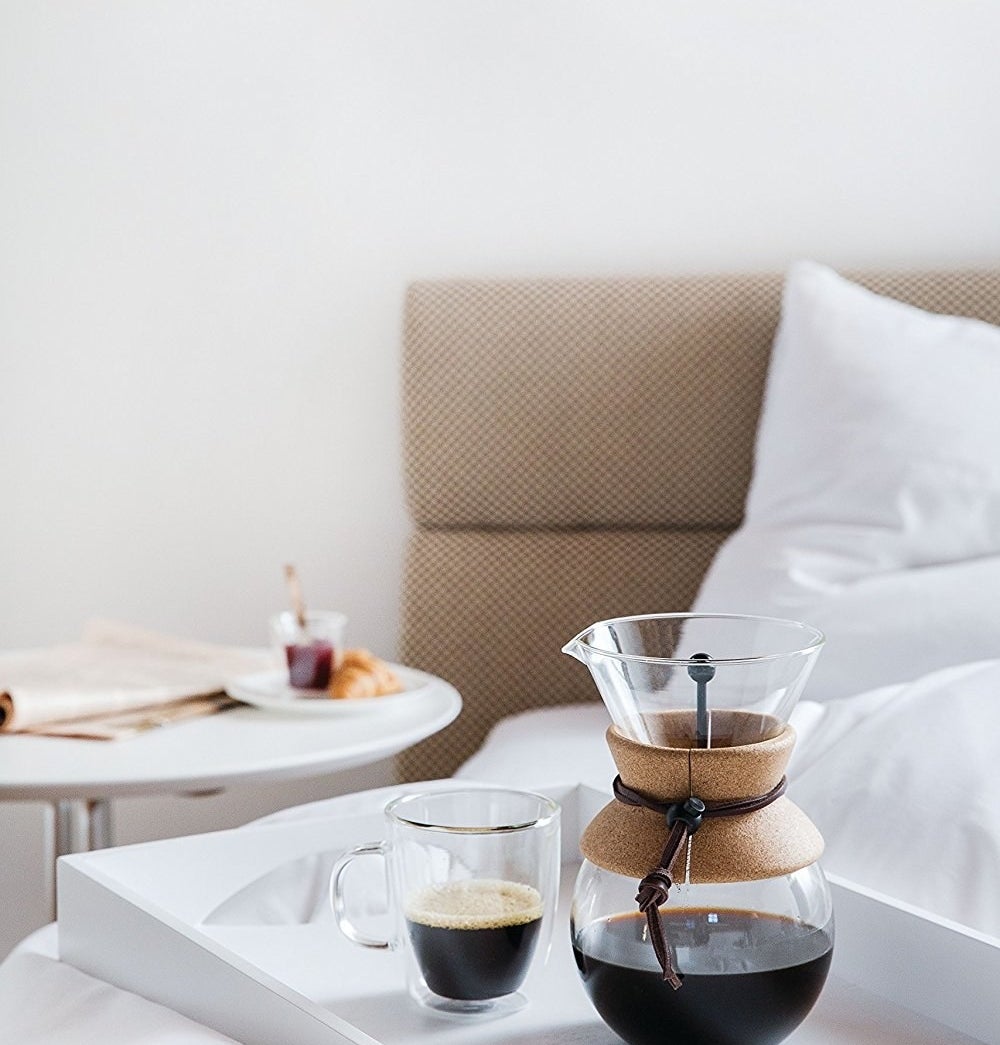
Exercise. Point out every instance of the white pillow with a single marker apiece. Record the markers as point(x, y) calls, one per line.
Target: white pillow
point(874, 510)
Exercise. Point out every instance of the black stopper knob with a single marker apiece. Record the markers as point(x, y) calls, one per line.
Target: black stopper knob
point(702, 672)
point(689, 812)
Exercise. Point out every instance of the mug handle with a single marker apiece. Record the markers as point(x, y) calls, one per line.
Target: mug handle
point(339, 906)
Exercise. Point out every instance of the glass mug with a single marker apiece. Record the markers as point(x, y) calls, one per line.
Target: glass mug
point(473, 881)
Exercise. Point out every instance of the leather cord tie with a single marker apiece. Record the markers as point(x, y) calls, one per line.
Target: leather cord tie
point(683, 818)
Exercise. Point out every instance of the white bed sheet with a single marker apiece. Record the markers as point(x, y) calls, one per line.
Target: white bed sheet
point(44, 1001)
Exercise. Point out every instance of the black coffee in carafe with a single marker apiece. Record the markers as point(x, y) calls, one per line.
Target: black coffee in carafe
point(748, 978)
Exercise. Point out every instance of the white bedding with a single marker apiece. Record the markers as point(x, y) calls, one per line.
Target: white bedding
point(902, 781)
point(47, 1002)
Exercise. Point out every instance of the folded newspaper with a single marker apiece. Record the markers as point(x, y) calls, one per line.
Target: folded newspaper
point(117, 681)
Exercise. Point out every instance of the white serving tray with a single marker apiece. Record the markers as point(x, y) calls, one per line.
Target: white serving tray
point(189, 923)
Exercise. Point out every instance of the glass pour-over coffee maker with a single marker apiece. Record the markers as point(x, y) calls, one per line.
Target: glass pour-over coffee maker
point(701, 915)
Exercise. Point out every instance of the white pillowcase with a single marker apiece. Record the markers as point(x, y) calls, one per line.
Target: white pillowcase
point(874, 510)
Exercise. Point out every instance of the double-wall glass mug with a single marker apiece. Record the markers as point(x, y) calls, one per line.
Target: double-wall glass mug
point(473, 881)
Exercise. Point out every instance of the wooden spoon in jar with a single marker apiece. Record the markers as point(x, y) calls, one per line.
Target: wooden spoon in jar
point(295, 593)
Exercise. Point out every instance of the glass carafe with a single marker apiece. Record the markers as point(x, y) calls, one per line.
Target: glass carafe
point(700, 706)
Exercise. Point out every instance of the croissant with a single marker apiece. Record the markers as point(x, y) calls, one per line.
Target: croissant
point(361, 674)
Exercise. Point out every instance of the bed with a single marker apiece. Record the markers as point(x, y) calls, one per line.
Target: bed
point(806, 445)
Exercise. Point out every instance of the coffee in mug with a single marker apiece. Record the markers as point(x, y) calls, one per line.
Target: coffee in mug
point(473, 881)
point(474, 939)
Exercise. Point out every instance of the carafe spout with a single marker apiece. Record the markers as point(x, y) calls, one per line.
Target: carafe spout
point(575, 648)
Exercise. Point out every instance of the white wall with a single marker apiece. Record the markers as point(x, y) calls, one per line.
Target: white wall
point(209, 211)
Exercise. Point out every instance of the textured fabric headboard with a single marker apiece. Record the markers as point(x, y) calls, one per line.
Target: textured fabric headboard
point(577, 450)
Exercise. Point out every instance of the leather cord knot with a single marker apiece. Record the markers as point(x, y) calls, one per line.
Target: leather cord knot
point(654, 888)
point(683, 818)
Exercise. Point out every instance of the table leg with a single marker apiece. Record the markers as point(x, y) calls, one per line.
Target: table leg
point(81, 825)
point(68, 833)
point(99, 816)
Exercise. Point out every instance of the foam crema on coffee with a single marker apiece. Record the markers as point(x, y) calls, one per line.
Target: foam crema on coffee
point(480, 903)
point(474, 940)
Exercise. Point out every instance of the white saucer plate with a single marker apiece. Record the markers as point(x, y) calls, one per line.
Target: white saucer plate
point(270, 690)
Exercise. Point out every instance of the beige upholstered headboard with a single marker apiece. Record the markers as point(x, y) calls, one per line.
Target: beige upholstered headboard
point(576, 450)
